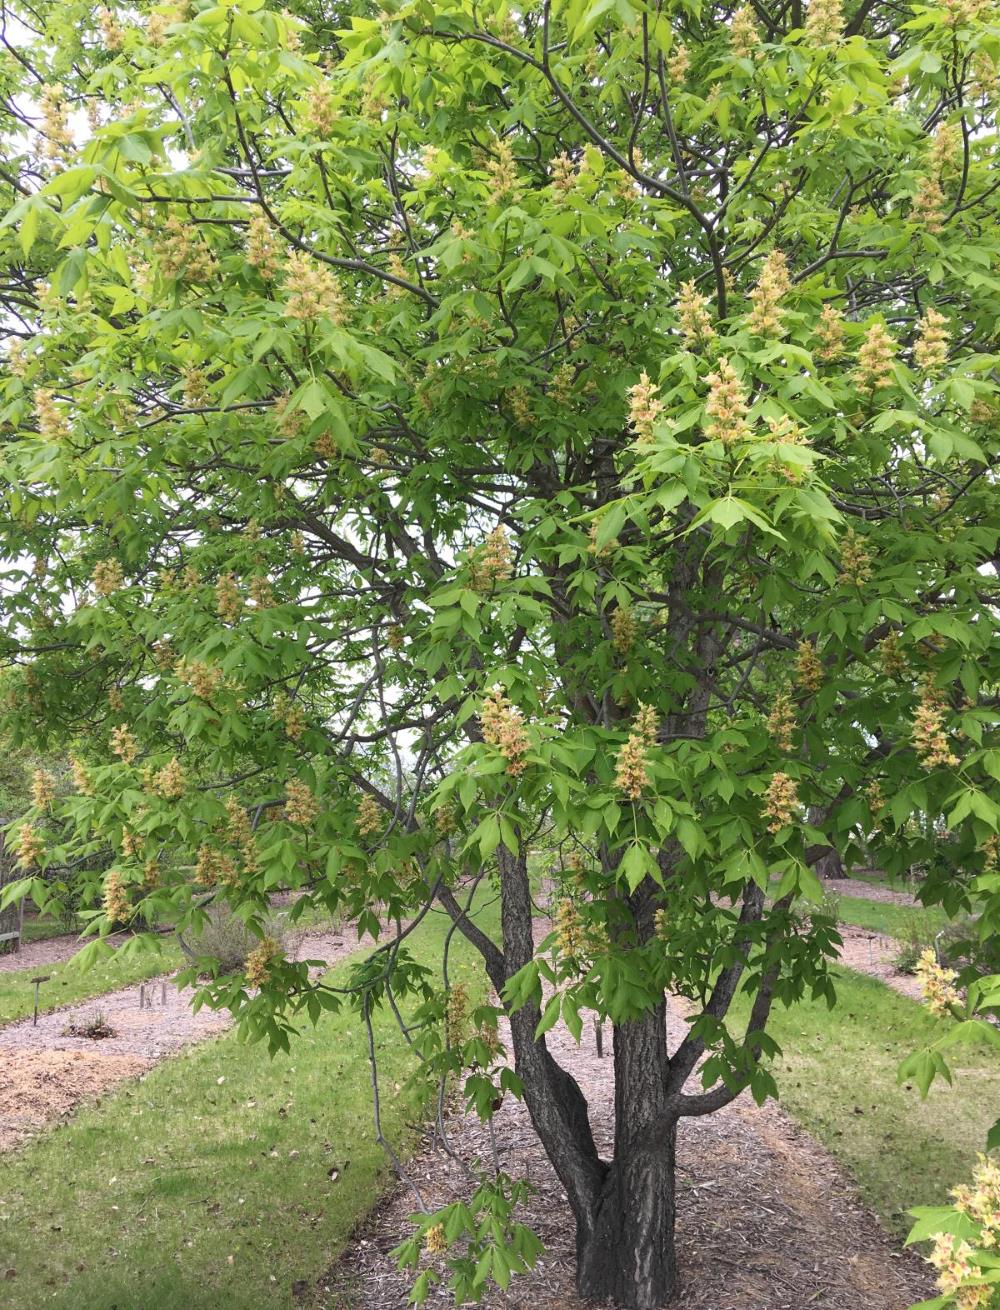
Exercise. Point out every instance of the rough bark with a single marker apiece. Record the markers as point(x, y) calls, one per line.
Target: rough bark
point(626, 1253)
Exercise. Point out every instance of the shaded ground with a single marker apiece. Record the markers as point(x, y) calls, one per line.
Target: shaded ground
point(873, 954)
point(46, 1072)
point(870, 891)
point(766, 1219)
point(53, 950)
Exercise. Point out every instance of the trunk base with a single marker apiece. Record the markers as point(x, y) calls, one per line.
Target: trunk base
point(628, 1256)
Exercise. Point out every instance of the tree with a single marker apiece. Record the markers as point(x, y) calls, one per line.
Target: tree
point(448, 423)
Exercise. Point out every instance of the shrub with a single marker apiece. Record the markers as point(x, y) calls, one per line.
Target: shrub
point(227, 938)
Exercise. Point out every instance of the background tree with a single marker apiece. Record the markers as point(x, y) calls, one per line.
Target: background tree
point(445, 421)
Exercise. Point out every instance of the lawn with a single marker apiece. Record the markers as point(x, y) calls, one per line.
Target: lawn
point(221, 1180)
point(892, 920)
point(837, 1077)
point(67, 983)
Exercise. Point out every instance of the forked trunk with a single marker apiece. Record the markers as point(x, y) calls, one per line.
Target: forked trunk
point(628, 1256)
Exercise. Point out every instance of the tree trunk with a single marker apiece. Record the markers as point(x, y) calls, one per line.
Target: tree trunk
point(628, 1255)
point(625, 1250)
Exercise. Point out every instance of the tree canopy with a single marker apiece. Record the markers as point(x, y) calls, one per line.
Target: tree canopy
point(439, 433)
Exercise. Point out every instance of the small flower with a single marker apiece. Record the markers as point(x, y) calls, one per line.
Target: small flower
point(644, 407)
point(726, 405)
point(930, 350)
point(781, 802)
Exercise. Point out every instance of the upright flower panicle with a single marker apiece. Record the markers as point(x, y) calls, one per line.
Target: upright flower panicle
point(830, 331)
point(808, 667)
point(726, 405)
point(313, 291)
point(695, 321)
point(936, 984)
point(632, 772)
point(644, 407)
point(781, 721)
point(260, 965)
point(301, 806)
point(855, 560)
point(781, 802)
point(43, 789)
point(263, 253)
point(875, 360)
point(623, 629)
point(743, 35)
point(772, 287)
point(824, 22)
point(493, 562)
point(930, 350)
point(502, 171)
point(369, 818)
point(929, 737)
point(503, 727)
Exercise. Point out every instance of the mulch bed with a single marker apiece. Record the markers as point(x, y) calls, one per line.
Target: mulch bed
point(766, 1219)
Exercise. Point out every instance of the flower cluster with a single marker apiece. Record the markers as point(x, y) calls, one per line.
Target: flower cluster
point(111, 30)
point(52, 422)
point(503, 727)
point(259, 968)
point(855, 561)
point(124, 745)
point(81, 778)
point(132, 843)
point(239, 831)
point(261, 591)
point(435, 1240)
point(182, 256)
point(743, 34)
point(456, 1012)
point(766, 297)
point(162, 18)
point(369, 818)
point(170, 782)
point(56, 131)
point(493, 562)
point(30, 846)
point(502, 172)
point(301, 805)
point(631, 772)
point(830, 331)
point(107, 577)
point(564, 174)
point(43, 789)
point(930, 740)
point(569, 929)
point(228, 601)
point(203, 679)
point(214, 866)
point(930, 351)
point(679, 63)
point(695, 321)
point(928, 204)
point(781, 720)
point(781, 802)
point(623, 629)
point(644, 407)
point(809, 672)
point(262, 251)
point(824, 22)
point(892, 657)
point(116, 902)
point(875, 360)
point(520, 406)
point(936, 984)
point(320, 109)
point(313, 291)
point(874, 796)
point(981, 1201)
point(726, 405)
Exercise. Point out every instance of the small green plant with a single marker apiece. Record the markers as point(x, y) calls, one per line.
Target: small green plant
point(914, 939)
point(93, 1026)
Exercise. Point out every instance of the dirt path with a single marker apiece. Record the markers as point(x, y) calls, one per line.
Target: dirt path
point(870, 891)
point(53, 950)
point(870, 953)
point(46, 1072)
point(767, 1220)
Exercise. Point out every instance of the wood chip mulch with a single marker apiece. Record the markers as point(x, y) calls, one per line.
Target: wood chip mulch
point(766, 1219)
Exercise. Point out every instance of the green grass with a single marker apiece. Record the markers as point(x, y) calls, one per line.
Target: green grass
point(43, 927)
point(891, 920)
point(208, 1185)
point(67, 983)
point(837, 1077)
